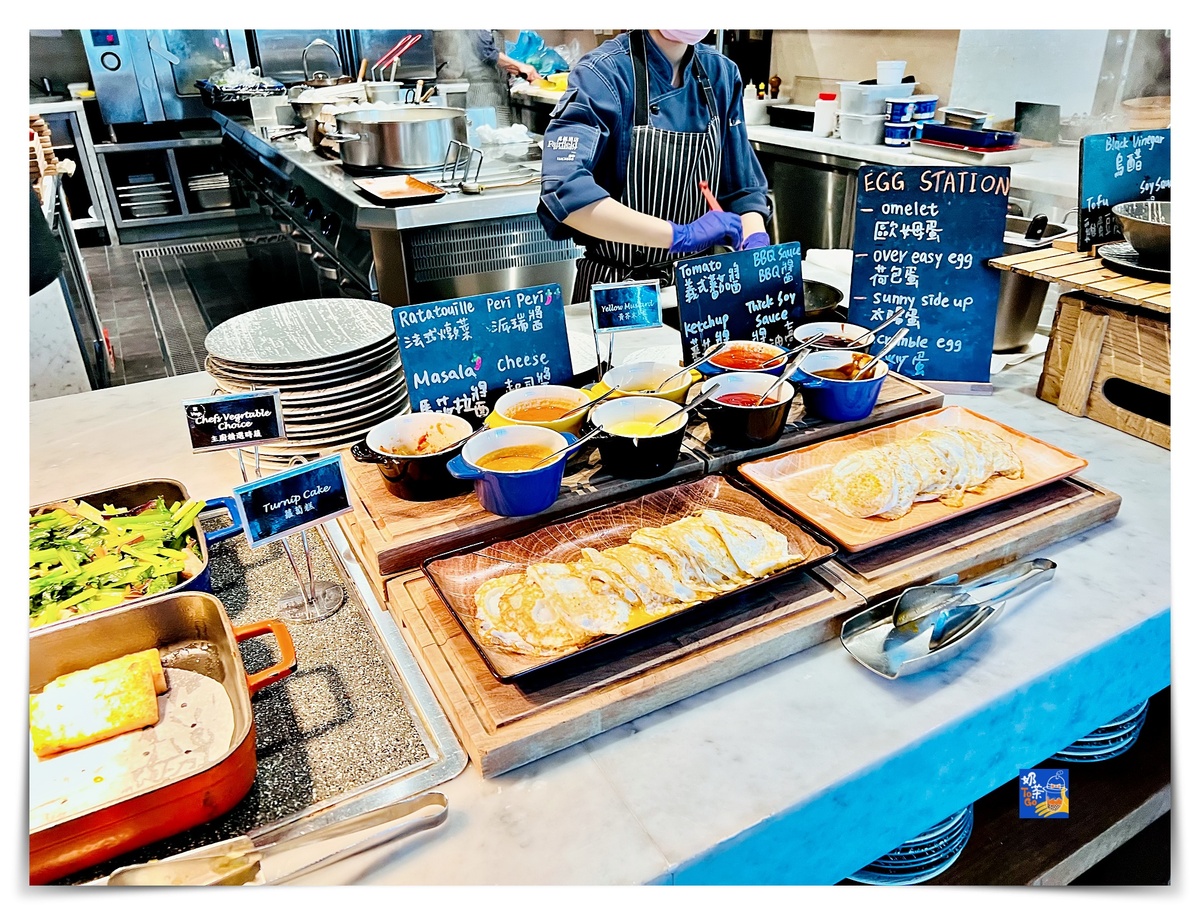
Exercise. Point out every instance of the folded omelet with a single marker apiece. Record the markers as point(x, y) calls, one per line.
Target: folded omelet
point(552, 607)
point(943, 464)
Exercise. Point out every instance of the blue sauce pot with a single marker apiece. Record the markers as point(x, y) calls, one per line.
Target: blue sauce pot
point(513, 492)
point(832, 399)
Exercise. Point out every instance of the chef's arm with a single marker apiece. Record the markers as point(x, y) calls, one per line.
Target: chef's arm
point(751, 223)
point(613, 221)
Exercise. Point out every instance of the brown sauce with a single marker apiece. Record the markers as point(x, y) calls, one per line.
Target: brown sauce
point(514, 458)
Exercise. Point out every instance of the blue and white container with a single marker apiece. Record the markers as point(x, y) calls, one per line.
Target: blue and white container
point(898, 134)
point(924, 107)
point(896, 110)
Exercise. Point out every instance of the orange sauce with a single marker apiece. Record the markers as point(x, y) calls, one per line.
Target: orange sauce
point(538, 411)
point(514, 458)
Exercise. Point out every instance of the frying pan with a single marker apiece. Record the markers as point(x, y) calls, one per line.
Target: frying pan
point(194, 637)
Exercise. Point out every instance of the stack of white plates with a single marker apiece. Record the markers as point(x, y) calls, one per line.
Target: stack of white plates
point(335, 362)
point(1109, 741)
point(923, 857)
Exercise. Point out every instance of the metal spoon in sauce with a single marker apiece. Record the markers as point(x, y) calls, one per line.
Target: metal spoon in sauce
point(571, 447)
point(707, 395)
point(888, 347)
point(798, 355)
point(709, 353)
point(891, 320)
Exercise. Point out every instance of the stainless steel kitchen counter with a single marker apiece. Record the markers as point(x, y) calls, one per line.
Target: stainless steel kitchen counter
point(296, 154)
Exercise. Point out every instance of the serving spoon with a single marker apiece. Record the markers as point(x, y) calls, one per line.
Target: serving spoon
point(571, 447)
point(709, 353)
point(888, 347)
point(800, 351)
point(707, 395)
point(591, 403)
point(891, 320)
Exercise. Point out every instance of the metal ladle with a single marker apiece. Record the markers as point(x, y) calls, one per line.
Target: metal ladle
point(474, 187)
point(797, 354)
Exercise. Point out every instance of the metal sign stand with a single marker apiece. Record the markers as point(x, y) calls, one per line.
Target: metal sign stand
point(320, 598)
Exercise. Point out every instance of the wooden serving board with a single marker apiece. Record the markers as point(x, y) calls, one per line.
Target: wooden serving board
point(504, 726)
point(788, 478)
point(391, 535)
point(981, 541)
point(899, 397)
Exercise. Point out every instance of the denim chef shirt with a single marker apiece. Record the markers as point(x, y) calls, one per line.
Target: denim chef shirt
point(594, 118)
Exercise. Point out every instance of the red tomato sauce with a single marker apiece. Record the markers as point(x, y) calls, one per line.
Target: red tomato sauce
point(741, 357)
point(744, 399)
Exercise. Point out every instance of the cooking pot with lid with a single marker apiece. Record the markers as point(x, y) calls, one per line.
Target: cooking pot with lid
point(404, 137)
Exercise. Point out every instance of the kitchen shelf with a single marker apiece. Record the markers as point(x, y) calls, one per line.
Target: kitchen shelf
point(1110, 803)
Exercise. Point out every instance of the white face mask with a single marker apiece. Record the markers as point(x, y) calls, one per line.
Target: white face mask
point(687, 36)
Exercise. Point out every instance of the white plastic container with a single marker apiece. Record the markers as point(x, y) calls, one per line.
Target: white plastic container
point(863, 129)
point(825, 114)
point(860, 98)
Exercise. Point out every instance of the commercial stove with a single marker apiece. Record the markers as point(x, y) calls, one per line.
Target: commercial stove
point(463, 244)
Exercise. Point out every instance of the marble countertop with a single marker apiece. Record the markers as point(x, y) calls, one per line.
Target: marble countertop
point(1053, 170)
point(800, 772)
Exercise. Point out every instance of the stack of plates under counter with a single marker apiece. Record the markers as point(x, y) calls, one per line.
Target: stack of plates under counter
point(336, 363)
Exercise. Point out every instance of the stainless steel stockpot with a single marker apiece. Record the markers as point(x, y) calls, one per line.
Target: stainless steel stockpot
point(405, 137)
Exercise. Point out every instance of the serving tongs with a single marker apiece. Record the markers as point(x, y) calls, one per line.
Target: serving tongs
point(238, 861)
point(926, 625)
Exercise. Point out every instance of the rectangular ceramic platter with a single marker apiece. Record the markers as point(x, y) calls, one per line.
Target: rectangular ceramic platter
point(457, 577)
point(789, 477)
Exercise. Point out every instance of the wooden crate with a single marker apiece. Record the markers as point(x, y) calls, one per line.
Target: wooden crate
point(1111, 362)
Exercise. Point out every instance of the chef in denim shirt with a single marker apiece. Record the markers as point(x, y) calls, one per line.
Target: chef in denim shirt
point(646, 117)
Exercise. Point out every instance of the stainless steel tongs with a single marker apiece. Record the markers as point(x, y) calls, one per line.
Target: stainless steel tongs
point(238, 861)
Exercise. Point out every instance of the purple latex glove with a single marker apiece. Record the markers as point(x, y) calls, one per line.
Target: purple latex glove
point(713, 228)
point(757, 240)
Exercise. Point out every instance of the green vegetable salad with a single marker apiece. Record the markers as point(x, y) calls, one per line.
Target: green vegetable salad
point(82, 559)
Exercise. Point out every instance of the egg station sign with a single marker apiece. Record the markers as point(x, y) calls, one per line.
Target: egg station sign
point(922, 241)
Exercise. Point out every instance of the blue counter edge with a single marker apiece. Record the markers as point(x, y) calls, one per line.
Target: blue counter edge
point(829, 837)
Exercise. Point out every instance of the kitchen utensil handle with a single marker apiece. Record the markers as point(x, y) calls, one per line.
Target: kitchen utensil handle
point(710, 198)
point(288, 837)
point(287, 652)
point(1010, 581)
point(229, 503)
point(342, 137)
point(383, 837)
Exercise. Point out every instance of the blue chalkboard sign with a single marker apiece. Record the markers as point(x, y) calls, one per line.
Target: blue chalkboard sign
point(745, 295)
point(234, 420)
point(460, 355)
point(923, 237)
point(632, 305)
point(1117, 168)
point(292, 500)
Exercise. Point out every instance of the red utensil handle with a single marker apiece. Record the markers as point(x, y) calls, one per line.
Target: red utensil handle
point(712, 200)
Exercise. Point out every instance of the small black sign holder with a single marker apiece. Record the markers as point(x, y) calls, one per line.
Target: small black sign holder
point(601, 365)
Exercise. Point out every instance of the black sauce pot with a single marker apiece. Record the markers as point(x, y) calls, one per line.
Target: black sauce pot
point(752, 426)
point(414, 478)
point(640, 457)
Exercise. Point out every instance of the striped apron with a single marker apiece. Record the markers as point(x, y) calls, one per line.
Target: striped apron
point(662, 179)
